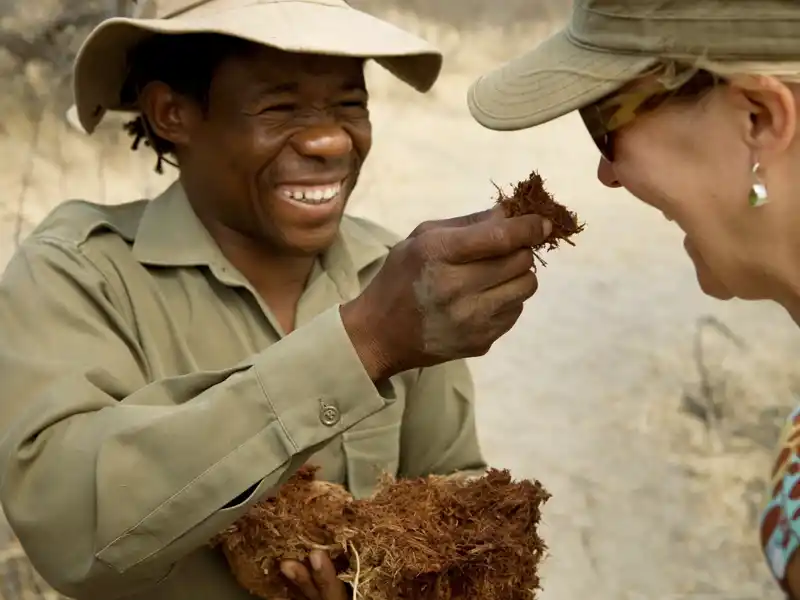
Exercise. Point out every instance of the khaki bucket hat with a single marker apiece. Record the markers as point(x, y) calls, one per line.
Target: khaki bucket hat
point(608, 43)
point(328, 27)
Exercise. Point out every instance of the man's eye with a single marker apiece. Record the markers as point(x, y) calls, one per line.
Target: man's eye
point(353, 104)
point(279, 108)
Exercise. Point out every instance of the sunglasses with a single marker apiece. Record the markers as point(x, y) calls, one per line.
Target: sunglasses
point(604, 118)
point(602, 136)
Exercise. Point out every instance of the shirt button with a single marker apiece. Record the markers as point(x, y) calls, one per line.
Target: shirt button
point(329, 415)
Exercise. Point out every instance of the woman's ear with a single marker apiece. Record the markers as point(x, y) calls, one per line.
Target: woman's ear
point(772, 108)
point(169, 114)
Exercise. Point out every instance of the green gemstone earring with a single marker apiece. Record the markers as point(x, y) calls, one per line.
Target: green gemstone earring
point(758, 192)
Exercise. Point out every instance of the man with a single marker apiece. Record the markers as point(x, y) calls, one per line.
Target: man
point(167, 364)
point(18, 581)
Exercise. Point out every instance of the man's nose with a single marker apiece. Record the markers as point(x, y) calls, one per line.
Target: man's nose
point(606, 175)
point(327, 141)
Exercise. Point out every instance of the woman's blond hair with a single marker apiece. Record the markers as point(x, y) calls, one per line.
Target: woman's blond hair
point(673, 75)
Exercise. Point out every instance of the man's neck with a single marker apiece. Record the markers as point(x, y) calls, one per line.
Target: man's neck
point(265, 267)
point(279, 280)
point(278, 277)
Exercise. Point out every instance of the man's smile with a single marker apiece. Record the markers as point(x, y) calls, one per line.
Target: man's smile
point(311, 194)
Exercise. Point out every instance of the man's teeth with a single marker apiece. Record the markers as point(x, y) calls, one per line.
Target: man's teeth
point(313, 195)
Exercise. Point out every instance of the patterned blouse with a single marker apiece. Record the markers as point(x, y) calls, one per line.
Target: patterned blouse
point(780, 520)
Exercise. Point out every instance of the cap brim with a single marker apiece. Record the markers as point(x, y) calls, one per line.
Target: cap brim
point(556, 78)
point(305, 27)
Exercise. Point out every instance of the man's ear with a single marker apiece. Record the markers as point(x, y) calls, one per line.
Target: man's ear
point(170, 115)
point(772, 108)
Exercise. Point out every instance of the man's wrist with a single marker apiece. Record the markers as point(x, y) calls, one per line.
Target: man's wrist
point(368, 348)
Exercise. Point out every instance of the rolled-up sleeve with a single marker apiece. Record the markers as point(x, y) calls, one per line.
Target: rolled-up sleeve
point(107, 478)
point(439, 431)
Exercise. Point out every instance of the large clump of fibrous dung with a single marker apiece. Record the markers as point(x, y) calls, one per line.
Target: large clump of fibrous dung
point(530, 197)
point(431, 538)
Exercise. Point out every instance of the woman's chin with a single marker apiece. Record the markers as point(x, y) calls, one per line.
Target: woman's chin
point(710, 284)
point(714, 289)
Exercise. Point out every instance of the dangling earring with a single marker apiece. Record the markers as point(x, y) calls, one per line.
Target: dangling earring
point(758, 192)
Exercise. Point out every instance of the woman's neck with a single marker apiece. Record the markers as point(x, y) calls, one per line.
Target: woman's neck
point(791, 302)
point(784, 287)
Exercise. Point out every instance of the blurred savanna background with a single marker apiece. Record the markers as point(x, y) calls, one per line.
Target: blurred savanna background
point(649, 411)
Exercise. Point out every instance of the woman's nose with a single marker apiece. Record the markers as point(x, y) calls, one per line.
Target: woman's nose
point(606, 175)
point(329, 141)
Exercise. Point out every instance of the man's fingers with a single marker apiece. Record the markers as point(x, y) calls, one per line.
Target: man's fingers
point(324, 574)
point(483, 274)
point(496, 271)
point(494, 237)
point(461, 221)
point(299, 575)
point(508, 297)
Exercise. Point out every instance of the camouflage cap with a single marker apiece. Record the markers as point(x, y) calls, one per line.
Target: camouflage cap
point(608, 43)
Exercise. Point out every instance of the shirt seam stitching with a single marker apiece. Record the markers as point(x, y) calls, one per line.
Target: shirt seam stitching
point(78, 247)
point(274, 410)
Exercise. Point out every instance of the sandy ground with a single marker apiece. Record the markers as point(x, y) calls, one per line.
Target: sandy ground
point(589, 393)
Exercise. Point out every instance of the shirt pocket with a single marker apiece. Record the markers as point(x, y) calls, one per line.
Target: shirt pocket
point(370, 452)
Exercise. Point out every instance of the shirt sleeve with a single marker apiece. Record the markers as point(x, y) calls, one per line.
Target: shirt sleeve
point(439, 435)
point(108, 479)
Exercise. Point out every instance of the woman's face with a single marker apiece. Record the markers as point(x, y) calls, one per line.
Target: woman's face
point(692, 159)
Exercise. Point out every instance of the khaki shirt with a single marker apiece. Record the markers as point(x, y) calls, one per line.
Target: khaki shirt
point(149, 397)
point(18, 579)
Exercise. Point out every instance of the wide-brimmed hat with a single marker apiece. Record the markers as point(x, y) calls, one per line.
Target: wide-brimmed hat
point(608, 43)
point(328, 27)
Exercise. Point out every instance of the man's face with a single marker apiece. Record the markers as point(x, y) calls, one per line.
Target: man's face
point(274, 160)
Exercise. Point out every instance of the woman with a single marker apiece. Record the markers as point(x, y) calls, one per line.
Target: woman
point(694, 108)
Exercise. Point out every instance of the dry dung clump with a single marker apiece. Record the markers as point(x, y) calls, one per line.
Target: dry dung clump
point(531, 198)
point(305, 514)
point(434, 538)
